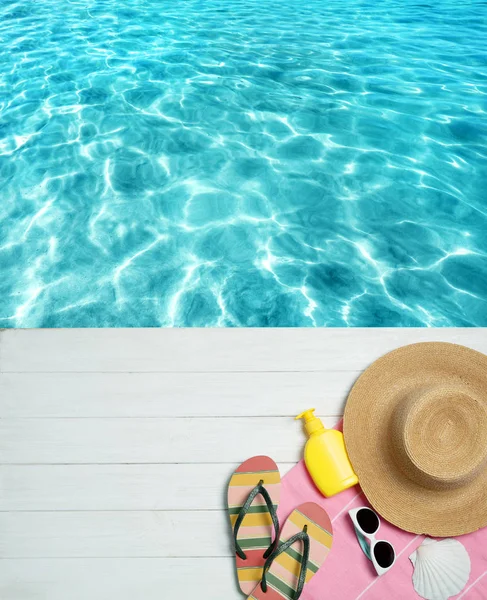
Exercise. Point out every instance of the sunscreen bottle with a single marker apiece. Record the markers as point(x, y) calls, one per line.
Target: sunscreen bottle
point(326, 457)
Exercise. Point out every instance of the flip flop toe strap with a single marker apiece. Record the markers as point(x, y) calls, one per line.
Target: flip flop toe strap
point(258, 489)
point(302, 535)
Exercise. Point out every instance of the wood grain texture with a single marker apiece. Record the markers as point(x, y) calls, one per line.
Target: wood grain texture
point(110, 534)
point(118, 579)
point(156, 440)
point(116, 447)
point(116, 487)
point(210, 350)
point(43, 395)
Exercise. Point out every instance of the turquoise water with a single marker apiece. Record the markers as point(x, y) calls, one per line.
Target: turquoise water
point(245, 163)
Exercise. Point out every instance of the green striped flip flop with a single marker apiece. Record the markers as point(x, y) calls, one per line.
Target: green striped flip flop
point(253, 498)
point(304, 544)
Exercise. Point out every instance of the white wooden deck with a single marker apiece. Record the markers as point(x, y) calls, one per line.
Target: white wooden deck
point(116, 447)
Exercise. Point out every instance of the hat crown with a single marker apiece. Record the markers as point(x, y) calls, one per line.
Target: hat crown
point(440, 436)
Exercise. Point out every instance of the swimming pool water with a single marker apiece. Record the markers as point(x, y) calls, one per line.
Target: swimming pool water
point(245, 163)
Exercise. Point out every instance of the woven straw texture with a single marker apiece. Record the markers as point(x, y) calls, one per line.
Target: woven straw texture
point(415, 428)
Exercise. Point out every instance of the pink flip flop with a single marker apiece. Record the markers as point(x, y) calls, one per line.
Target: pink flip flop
point(253, 498)
point(304, 544)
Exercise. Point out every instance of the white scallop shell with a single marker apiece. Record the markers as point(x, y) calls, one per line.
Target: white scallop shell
point(441, 568)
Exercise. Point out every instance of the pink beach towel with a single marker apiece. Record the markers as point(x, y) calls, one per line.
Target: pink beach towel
point(347, 574)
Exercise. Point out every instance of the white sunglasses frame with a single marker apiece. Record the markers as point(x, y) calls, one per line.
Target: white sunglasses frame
point(372, 539)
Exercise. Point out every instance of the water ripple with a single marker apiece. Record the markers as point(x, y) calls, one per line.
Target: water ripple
point(251, 163)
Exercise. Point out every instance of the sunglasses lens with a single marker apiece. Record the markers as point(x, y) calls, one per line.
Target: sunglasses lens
point(384, 554)
point(368, 520)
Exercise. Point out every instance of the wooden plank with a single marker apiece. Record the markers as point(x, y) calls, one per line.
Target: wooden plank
point(115, 487)
point(118, 578)
point(209, 350)
point(171, 394)
point(157, 440)
point(115, 534)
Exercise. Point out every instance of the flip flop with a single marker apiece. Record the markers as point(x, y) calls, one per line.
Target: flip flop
point(253, 498)
point(304, 543)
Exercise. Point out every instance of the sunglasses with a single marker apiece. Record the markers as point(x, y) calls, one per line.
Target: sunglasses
point(380, 552)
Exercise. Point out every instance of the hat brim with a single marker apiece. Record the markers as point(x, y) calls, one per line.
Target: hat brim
point(366, 427)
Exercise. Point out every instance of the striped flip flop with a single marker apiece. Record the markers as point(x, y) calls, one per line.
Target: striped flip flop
point(253, 498)
point(304, 544)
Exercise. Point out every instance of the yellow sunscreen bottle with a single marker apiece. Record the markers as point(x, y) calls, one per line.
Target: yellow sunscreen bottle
point(326, 457)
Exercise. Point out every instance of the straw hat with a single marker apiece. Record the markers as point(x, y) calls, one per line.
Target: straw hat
point(415, 428)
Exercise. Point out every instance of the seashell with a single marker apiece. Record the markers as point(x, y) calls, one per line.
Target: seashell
point(441, 568)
